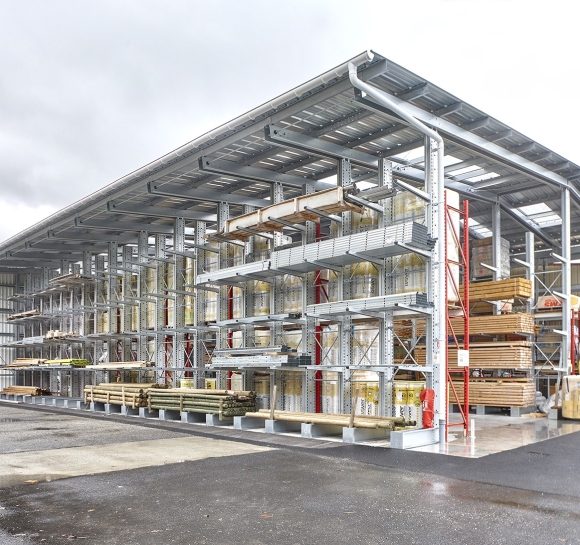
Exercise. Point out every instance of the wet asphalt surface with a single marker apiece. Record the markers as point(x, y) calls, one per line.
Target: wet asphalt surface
point(300, 492)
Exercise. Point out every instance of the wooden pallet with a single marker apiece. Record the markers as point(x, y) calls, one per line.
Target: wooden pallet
point(499, 290)
point(497, 393)
point(497, 355)
point(501, 324)
point(26, 391)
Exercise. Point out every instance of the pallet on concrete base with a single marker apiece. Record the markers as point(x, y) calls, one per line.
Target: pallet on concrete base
point(481, 410)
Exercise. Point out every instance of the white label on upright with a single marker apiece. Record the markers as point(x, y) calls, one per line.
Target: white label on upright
point(463, 358)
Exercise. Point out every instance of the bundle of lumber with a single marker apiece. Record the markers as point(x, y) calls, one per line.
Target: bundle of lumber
point(482, 307)
point(344, 420)
point(26, 391)
point(25, 314)
point(113, 365)
point(501, 324)
point(496, 355)
point(498, 290)
point(497, 392)
point(224, 403)
point(71, 279)
point(130, 394)
point(25, 362)
point(73, 362)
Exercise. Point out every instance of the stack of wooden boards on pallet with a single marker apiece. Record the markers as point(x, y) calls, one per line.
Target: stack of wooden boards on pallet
point(498, 392)
point(25, 391)
point(224, 403)
point(127, 394)
point(501, 342)
point(498, 342)
point(19, 363)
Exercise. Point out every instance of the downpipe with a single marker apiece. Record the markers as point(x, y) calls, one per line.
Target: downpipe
point(383, 99)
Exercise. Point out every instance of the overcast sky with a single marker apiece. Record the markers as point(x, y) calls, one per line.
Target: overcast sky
point(92, 90)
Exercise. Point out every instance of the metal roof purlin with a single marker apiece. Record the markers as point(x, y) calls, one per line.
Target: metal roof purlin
point(476, 143)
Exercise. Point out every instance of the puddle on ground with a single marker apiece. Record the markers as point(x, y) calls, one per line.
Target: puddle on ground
point(9, 420)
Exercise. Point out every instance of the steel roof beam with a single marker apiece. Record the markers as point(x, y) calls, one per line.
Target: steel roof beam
point(414, 174)
point(524, 148)
point(475, 143)
point(500, 135)
point(92, 236)
point(158, 211)
point(173, 190)
point(448, 110)
point(542, 156)
point(307, 143)
point(109, 225)
point(414, 144)
point(415, 92)
point(62, 246)
point(480, 161)
point(497, 180)
point(30, 264)
point(70, 256)
point(235, 170)
point(341, 122)
point(477, 124)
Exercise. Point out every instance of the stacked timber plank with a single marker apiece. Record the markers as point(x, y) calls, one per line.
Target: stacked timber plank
point(129, 394)
point(501, 324)
point(498, 392)
point(25, 391)
point(499, 290)
point(25, 314)
point(224, 403)
point(344, 420)
point(25, 362)
point(114, 365)
point(73, 362)
point(497, 355)
point(72, 279)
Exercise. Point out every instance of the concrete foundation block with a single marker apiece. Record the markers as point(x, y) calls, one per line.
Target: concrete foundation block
point(319, 430)
point(75, 404)
point(193, 418)
point(145, 413)
point(213, 420)
point(555, 414)
point(356, 435)
point(167, 414)
point(59, 402)
point(28, 399)
point(280, 426)
point(129, 411)
point(112, 409)
point(97, 407)
point(247, 423)
point(480, 410)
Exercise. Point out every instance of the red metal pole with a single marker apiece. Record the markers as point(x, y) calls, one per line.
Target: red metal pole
point(318, 336)
point(466, 310)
